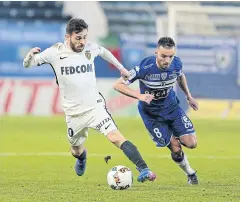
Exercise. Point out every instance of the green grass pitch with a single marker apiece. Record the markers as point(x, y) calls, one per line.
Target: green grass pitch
point(35, 164)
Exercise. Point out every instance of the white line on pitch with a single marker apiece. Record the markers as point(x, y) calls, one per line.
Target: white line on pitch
point(8, 154)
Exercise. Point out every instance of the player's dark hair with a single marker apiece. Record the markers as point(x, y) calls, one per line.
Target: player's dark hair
point(76, 25)
point(166, 42)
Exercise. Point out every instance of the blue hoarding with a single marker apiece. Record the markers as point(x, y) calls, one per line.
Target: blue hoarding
point(16, 38)
point(211, 64)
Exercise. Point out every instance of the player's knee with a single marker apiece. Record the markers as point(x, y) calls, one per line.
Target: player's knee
point(192, 143)
point(175, 146)
point(116, 138)
point(189, 141)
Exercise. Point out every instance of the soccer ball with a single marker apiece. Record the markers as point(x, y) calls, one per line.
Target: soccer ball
point(120, 177)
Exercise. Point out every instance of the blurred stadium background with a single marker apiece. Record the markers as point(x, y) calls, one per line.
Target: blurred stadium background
point(206, 33)
point(34, 158)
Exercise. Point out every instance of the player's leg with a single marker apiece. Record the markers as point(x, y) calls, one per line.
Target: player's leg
point(77, 135)
point(181, 160)
point(104, 123)
point(183, 129)
point(132, 153)
point(189, 140)
point(184, 134)
point(80, 153)
point(157, 128)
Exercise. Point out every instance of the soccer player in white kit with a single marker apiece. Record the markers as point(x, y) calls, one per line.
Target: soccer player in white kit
point(84, 107)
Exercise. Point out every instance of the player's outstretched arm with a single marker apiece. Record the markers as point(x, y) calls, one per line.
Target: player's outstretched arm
point(182, 82)
point(29, 59)
point(35, 58)
point(123, 88)
point(108, 56)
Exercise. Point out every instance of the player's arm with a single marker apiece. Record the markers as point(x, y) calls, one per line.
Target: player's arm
point(109, 57)
point(122, 87)
point(35, 58)
point(182, 82)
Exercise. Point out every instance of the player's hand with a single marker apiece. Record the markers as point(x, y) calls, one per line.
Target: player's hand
point(193, 103)
point(30, 55)
point(35, 50)
point(147, 98)
point(125, 74)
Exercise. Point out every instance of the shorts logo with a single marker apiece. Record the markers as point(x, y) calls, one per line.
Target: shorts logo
point(88, 55)
point(186, 121)
point(102, 123)
point(107, 126)
point(70, 132)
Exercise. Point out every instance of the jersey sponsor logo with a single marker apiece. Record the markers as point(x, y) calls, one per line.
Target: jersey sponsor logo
point(159, 94)
point(102, 123)
point(76, 70)
point(172, 76)
point(99, 101)
point(163, 75)
point(88, 54)
point(147, 66)
point(62, 57)
point(153, 77)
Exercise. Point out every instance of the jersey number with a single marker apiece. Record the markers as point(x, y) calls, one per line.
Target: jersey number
point(159, 136)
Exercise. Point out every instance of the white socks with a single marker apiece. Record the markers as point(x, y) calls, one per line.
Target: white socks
point(184, 165)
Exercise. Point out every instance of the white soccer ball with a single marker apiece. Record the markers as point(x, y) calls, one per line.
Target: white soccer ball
point(120, 177)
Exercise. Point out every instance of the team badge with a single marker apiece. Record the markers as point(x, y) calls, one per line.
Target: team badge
point(88, 55)
point(163, 75)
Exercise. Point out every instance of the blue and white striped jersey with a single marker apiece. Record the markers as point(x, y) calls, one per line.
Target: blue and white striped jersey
point(159, 82)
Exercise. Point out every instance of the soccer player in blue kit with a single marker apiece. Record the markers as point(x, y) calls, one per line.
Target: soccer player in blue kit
point(167, 124)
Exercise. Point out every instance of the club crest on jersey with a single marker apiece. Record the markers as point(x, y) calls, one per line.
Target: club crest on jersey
point(88, 55)
point(163, 75)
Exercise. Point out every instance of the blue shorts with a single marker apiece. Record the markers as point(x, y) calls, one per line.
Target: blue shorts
point(162, 128)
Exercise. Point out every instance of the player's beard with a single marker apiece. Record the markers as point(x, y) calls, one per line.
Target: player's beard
point(162, 66)
point(165, 66)
point(73, 47)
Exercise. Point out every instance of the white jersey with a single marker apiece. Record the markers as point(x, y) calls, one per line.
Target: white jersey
point(75, 74)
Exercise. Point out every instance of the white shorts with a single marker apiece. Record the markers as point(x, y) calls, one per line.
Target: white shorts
point(98, 118)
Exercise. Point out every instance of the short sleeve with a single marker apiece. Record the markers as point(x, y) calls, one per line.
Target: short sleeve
point(47, 55)
point(135, 74)
point(94, 48)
